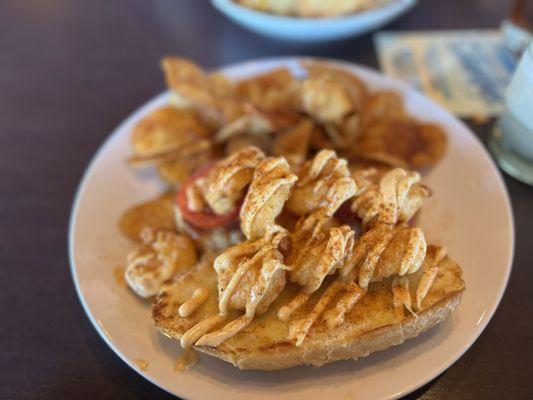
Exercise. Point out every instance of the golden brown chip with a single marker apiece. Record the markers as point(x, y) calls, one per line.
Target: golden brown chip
point(174, 172)
point(401, 143)
point(293, 144)
point(320, 139)
point(252, 123)
point(323, 98)
point(355, 86)
point(262, 142)
point(435, 138)
point(344, 134)
point(166, 129)
point(177, 170)
point(194, 149)
point(269, 91)
point(255, 128)
point(282, 119)
point(210, 95)
point(219, 85)
point(224, 97)
point(155, 214)
point(383, 104)
point(187, 79)
point(358, 164)
point(180, 72)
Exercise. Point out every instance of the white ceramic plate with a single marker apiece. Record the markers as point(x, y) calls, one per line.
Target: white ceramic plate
point(312, 29)
point(469, 213)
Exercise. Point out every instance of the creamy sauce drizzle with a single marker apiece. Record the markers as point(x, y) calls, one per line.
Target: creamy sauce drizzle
point(231, 329)
point(187, 359)
point(334, 317)
point(286, 312)
point(386, 201)
point(400, 293)
point(372, 258)
point(415, 252)
point(198, 298)
point(232, 285)
point(201, 328)
point(299, 329)
point(411, 261)
point(199, 335)
point(353, 281)
point(428, 277)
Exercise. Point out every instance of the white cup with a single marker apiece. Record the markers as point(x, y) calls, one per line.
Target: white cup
point(512, 139)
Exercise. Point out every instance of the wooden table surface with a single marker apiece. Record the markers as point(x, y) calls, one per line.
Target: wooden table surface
point(70, 71)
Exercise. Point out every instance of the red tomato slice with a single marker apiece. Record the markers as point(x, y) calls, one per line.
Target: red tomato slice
point(203, 219)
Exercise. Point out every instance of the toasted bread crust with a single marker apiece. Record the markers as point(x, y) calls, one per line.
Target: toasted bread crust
point(320, 352)
point(373, 325)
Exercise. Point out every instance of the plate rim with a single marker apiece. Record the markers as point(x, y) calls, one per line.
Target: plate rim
point(303, 30)
point(289, 60)
point(223, 5)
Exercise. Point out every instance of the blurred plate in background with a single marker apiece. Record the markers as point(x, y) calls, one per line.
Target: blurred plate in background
point(298, 29)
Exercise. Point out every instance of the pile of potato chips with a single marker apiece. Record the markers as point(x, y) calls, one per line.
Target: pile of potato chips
point(209, 117)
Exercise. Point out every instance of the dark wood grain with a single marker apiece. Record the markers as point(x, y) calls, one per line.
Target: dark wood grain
point(70, 71)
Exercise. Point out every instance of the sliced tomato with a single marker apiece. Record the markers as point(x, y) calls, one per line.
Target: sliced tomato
point(200, 172)
point(203, 219)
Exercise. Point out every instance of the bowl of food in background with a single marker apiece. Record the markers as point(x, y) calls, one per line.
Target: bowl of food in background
point(310, 20)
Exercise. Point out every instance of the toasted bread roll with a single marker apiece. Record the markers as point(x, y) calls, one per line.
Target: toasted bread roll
point(372, 325)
